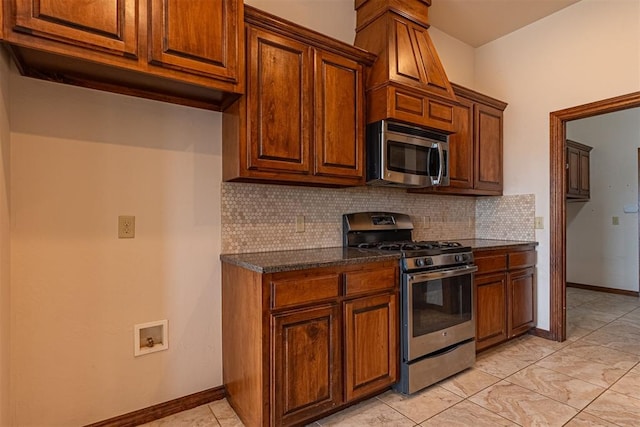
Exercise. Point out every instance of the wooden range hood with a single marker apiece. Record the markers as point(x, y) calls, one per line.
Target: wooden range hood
point(407, 82)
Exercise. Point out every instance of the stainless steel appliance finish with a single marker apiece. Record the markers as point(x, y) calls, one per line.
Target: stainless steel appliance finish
point(437, 318)
point(400, 155)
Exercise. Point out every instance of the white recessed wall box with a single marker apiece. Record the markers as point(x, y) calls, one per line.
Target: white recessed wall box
point(150, 337)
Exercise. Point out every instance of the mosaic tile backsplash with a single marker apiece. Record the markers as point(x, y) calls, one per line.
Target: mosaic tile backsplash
point(259, 217)
point(506, 217)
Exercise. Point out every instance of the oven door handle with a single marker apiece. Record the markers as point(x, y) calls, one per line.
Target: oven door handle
point(434, 275)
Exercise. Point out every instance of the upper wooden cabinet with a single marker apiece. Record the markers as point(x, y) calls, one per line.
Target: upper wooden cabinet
point(302, 119)
point(181, 51)
point(475, 147)
point(105, 25)
point(578, 170)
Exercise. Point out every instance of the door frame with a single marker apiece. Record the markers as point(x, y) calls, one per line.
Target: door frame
point(558, 210)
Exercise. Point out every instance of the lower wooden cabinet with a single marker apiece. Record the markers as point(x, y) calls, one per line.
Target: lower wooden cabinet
point(305, 363)
point(521, 298)
point(300, 344)
point(371, 334)
point(505, 293)
point(491, 310)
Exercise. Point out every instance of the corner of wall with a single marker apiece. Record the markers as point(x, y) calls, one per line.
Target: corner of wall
point(5, 242)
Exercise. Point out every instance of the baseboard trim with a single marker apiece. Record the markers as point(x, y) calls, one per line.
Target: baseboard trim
point(542, 334)
point(162, 410)
point(603, 289)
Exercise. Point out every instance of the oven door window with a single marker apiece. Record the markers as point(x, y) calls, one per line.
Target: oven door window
point(441, 303)
point(408, 158)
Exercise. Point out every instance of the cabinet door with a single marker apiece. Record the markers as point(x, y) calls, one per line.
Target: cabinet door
point(199, 36)
point(106, 25)
point(461, 146)
point(279, 78)
point(339, 117)
point(584, 174)
point(521, 301)
point(573, 171)
point(491, 309)
point(306, 365)
point(371, 344)
point(488, 148)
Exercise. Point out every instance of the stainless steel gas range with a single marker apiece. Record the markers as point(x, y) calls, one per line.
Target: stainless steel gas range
point(437, 317)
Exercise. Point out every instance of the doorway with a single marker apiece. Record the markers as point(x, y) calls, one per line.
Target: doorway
point(558, 213)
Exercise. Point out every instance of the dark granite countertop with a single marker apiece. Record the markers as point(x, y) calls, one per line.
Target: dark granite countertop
point(277, 261)
point(494, 244)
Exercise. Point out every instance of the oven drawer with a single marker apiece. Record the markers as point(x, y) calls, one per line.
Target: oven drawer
point(378, 279)
point(490, 264)
point(304, 289)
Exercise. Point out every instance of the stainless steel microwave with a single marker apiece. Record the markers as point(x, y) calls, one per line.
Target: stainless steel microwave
point(401, 155)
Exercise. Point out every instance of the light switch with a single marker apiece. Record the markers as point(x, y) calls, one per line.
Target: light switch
point(539, 223)
point(615, 220)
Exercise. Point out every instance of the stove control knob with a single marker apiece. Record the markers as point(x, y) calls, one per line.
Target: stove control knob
point(419, 262)
point(460, 258)
point(428, 261)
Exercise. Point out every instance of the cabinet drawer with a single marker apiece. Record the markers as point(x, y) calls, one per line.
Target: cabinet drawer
point(488, 264)
point(522, 259)
point(356, 282)
point(289, 292)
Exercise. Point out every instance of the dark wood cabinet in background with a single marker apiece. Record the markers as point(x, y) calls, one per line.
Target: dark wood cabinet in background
point(301, 343)
point(302, 119)
point(475, 147)
point(505, 293)
point(578, 170)
point(186, 52)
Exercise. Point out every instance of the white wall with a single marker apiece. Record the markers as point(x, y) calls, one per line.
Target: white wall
point(335, 18)
point(80, 158)
point(458, 58)
point(5, 295)
point(586, 52)
point(598, 252)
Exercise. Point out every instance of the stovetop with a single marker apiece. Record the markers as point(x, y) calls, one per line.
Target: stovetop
point(410, 248)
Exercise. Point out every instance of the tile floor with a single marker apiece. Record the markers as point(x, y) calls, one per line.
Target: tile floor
point(592, 379)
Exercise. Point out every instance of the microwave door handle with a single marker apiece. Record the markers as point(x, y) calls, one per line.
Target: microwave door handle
point(438, 181)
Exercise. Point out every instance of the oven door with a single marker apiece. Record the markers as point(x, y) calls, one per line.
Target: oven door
point(437, 310)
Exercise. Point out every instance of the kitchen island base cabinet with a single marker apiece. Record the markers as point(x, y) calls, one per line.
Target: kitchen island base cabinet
point(505, 293)
point(298, 345)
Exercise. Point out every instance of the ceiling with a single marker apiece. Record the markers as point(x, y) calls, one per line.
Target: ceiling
point(477, 22)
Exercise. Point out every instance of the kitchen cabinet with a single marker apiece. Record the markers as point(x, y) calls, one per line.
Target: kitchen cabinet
point(302, 119)
point(504, 293)
point(299, 344)
point(407, 82)
point(171, 50)
point(578, 167)
point(475, 147)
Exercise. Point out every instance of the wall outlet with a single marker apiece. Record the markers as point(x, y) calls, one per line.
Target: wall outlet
point(150, 337)
point(300, 224)
point(539, 223)
point(615, 220)
point(126, 227)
